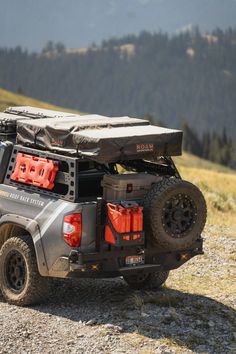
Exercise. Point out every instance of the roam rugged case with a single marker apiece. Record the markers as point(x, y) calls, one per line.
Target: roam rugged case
point(127, 186)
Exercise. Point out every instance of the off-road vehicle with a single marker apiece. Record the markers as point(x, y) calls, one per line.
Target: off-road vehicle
point(91, 196)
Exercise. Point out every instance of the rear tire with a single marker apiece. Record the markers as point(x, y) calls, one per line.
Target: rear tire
point(148, 281)
point(20, 281)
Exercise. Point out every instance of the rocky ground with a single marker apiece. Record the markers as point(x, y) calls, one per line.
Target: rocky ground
point(194, 313)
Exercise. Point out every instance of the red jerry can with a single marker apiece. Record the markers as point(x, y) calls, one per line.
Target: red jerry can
point(120, 219)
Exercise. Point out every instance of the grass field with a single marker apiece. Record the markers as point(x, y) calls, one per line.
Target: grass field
point(218, 185)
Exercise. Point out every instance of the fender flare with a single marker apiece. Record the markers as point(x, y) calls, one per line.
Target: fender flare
point(32, 227)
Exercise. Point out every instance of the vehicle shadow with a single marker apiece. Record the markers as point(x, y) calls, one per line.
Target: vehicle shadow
point(194, 321)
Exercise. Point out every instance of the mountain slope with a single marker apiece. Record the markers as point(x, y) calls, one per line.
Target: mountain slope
point(188, 160)
point(8, 99)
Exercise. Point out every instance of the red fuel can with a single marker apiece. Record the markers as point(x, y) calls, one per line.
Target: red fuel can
point(120, 219)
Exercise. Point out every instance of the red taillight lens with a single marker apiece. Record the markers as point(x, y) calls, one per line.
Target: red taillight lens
point(72, 229)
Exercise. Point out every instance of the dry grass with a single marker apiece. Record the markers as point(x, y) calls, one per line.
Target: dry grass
point(141, 343)
point(192, 161)
point(219, 189)
point(159, 299)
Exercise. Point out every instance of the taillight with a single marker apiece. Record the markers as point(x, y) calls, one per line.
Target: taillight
point(72, 229)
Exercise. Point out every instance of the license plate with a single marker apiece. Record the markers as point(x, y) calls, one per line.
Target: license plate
point(134, 260)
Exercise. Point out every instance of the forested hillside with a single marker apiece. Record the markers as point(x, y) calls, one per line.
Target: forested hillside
point(189, 77)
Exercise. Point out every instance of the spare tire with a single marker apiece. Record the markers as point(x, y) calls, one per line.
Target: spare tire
point(174, 214)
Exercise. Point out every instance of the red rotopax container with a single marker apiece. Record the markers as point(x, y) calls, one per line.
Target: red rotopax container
point(123, 220)
point(35, 170)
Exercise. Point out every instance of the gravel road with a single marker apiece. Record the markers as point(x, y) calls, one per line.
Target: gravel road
point(194, 313)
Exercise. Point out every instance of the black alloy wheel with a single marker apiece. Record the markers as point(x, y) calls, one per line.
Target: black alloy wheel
point(15, 268)
point(20, 281)
point(179, 215)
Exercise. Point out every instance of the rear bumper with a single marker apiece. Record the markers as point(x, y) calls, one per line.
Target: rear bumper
point(112, 263)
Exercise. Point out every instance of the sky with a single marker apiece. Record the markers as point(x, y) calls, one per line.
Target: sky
point(79, 23)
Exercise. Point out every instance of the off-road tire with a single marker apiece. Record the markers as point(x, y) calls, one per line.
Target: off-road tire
point(35, 288)
point(148, 281)
point(160, 201)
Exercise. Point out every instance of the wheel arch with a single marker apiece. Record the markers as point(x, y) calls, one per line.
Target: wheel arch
point(12, 225)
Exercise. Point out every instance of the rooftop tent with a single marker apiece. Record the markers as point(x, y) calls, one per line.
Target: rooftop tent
point(8, 122)
point(126, 143)
point(100, 138)
point(8, 119)
point(8, 126)
point(57, 133)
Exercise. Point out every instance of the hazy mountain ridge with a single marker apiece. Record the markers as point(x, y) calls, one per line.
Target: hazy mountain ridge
point(79, 23)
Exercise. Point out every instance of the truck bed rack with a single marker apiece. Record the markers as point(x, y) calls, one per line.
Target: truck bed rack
point(64, 188)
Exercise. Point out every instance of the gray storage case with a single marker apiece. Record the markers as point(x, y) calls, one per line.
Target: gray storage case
point(127, 186)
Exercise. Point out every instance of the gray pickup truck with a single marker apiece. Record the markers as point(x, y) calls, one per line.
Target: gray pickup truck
point(91, 196)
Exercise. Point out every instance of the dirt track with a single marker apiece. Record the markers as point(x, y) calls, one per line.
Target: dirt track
point(194, 313)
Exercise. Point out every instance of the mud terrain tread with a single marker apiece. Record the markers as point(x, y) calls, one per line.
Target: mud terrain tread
point(157, 191)
point(37, 287)
point(151, 282)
